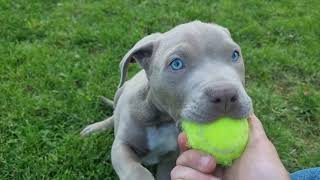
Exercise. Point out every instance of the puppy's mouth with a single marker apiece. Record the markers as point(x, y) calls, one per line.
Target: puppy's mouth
point(210, 117)
point(200, 113)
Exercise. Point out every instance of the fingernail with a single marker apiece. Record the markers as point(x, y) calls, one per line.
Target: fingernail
point(205, 160)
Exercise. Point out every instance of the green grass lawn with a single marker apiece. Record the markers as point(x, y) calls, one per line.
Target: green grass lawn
point(57, 57)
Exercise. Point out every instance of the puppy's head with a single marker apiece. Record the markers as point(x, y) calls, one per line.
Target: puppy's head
point(195, 71)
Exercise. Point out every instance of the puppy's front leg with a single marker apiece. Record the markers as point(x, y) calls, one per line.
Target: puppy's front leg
point(164, 169)
point(126, 163)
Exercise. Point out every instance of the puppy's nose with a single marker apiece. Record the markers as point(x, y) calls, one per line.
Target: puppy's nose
point(223, 96)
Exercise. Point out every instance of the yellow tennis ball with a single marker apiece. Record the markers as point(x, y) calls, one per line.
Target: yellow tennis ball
point(224, 138)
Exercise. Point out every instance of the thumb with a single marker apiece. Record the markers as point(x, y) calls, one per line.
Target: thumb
point(256, 129)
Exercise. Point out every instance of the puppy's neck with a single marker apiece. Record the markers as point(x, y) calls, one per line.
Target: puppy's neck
point(160, 112)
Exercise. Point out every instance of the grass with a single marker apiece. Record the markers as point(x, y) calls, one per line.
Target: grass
point(57, 57)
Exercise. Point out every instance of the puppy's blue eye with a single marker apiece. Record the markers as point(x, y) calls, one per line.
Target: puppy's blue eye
point(176, 64)
point(235, 56)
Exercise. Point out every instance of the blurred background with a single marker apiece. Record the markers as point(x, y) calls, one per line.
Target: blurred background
point(57, 57)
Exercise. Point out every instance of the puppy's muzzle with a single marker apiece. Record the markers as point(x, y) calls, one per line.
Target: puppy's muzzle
point(223, 96)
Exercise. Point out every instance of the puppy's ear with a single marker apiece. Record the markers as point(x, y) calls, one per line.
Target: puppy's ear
point(141, 52)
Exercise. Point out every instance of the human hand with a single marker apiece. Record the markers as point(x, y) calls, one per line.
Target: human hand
point(260, 160)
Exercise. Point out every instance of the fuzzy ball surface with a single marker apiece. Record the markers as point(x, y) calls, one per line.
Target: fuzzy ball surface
point(224, 138)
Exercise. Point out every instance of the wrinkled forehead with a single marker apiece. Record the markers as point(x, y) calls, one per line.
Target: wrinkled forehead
point(198, 36)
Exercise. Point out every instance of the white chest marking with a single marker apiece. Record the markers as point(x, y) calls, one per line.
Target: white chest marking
point(161, 140)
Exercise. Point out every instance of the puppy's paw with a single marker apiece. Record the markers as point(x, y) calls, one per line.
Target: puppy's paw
point(92, 128)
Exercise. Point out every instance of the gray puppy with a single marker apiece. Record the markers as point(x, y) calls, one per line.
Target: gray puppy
point(195, 71)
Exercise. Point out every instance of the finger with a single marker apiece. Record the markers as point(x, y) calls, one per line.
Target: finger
point(197, 160)
point(182, 142)
point(256, 128)
point(187, 173)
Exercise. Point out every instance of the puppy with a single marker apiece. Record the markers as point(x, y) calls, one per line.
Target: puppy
point(194, 70)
